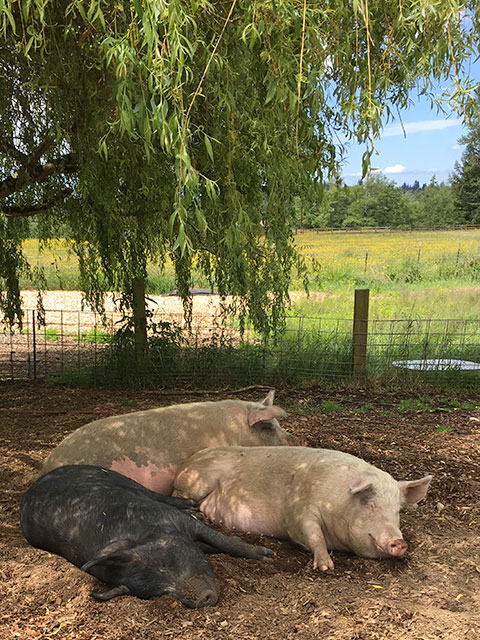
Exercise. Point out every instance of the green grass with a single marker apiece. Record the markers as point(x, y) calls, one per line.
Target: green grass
point(418, 282)
point(365, 408)
point(455, 403)
point(93, 336)
point(60, 267)
point(328, 406)
point(416, 404)
point(444, 428)
point(336, 261)
point(52, 334)
point(435, 302)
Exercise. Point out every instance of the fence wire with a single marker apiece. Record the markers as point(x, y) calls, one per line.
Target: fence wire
point(64, 344)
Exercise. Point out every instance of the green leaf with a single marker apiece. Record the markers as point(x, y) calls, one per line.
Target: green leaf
point(272, 88)
point(26, 8)
point(171, 222)
point(208, 146)
point(180, 241)
point(138, 7)
point(28, 45)
point(366, 162)
point(10, 17)
point(201, 222)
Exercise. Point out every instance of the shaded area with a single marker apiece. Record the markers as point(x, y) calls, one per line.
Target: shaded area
point(432, 593)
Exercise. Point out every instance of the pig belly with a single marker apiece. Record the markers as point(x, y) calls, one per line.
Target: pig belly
point(241, 514)
point(150, 475)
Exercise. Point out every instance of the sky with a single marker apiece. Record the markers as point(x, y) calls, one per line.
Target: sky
point(426, 146)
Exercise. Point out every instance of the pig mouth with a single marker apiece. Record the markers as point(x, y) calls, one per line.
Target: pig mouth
point(395, 547)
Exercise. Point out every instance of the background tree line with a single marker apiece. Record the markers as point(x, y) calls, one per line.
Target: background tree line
point(379, 202)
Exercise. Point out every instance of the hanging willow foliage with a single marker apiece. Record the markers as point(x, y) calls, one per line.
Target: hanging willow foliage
point(147, 129)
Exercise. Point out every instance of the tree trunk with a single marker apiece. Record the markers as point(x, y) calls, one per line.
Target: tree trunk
point(140, 321)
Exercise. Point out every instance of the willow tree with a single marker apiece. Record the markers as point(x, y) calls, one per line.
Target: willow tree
point(148, 129)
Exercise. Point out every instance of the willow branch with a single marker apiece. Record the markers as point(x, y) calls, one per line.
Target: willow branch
point(35, 173)
point(33, 210)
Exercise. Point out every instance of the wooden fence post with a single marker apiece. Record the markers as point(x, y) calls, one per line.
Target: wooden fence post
point(360, 332)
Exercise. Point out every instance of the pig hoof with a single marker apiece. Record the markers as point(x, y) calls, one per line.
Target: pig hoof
point(265, 553)
point(324, 566)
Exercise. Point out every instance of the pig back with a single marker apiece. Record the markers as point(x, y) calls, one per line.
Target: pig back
point(252, 489)
point(165, 435)
point(268, 490)
point(148, 445)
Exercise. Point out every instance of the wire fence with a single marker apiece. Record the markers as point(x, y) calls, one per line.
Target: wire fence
point(452, 227)
point(74, 345)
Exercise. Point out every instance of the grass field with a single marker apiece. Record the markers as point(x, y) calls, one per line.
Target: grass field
point(420, 274)
point(424, 303)
point(387, 246)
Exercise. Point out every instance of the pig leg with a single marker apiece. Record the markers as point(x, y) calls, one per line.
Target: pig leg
point(103, 596)
point(212, 541)
point(191, 484)
point(191, 507)
point(312, 538)
point(181, 503)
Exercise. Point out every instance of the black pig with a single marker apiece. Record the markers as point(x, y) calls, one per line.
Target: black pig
point(134, 540)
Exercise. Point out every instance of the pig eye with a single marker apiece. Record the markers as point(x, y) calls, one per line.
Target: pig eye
point(371, 506)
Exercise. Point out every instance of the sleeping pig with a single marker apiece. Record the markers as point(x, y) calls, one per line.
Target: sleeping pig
point(134, 540)
point(319, 498)
point(148, 446)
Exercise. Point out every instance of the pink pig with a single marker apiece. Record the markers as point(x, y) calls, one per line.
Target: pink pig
point(148, 446)
point(319, 498)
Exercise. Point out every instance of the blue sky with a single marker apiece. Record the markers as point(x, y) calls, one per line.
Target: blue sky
point(426, 146)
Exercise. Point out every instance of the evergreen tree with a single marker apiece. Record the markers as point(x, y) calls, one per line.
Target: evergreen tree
point(378, 203)
point(466, 178)
point(433, 206)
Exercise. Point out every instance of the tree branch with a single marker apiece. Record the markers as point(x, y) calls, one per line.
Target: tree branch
point(66, 164)
point(9, 149)
point(33, 210)
point(40, 150)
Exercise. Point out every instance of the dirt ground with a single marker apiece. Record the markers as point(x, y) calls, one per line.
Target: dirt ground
point(432, 593)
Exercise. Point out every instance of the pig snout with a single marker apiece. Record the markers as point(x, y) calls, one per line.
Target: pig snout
point(197, 592)
point(396, 547)
point(206, 599)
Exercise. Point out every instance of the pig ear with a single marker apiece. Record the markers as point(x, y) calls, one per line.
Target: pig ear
point(412, 491)
point(117, 553)
point(263, 414)
point(360, 485)
point(268, 401)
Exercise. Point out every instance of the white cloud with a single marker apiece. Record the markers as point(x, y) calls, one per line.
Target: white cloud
point(456, 147)
point(420, 127)
point(396, 168)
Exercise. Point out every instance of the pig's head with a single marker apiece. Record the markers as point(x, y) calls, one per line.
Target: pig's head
point(264, 429)
point(373, 522)
point(171, 565)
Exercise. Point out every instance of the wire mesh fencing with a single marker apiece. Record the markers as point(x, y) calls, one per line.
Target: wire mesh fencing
point(81, 345)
